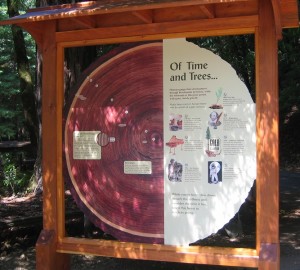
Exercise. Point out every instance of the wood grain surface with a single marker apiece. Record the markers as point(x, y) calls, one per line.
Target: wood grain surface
point(122, 98)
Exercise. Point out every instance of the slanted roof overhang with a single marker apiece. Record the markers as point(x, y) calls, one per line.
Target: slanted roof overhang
point(109, 18)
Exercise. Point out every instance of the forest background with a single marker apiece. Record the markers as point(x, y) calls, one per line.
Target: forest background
point(20, 92)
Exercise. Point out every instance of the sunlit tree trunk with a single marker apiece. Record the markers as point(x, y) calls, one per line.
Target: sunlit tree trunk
point(26, 82)
point(27, 89)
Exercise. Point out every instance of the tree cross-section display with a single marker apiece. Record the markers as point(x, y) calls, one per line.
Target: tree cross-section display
point(56, 28)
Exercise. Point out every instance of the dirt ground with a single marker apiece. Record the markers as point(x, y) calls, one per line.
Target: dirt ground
point(21, 222)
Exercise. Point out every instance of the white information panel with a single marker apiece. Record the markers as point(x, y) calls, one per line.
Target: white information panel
point(85, 145)
point(209, 142)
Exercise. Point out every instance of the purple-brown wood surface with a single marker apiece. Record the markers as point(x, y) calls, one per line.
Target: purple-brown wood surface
point(122, 98)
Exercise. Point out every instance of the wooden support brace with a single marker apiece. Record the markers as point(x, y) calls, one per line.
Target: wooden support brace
point(145, 16)
point(208, 11)
point(88, 22)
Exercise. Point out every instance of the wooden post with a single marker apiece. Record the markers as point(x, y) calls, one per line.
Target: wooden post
point(47, 257)
point(267, 140)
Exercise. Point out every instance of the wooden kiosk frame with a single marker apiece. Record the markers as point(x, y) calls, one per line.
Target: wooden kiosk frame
point(115, 21)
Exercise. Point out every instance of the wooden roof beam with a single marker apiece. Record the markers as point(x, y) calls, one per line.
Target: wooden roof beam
point(238, 25)
point(145, 15)
point(208, 10)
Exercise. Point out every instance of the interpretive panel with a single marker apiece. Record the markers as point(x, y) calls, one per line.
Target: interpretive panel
point(160, 142)
point(209, 142)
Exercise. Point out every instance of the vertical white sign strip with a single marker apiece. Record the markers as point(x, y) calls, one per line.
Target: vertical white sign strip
point(209, 142)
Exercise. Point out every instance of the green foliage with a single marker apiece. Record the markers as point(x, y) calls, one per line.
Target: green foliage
point(13, 179)
point(236, 50)
point(11, 114)
point(12, 120)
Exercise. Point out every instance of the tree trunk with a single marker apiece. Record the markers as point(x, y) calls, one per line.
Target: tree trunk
point(26, 83)
point(29, 97)
point(77, 59)
point(38, 91)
